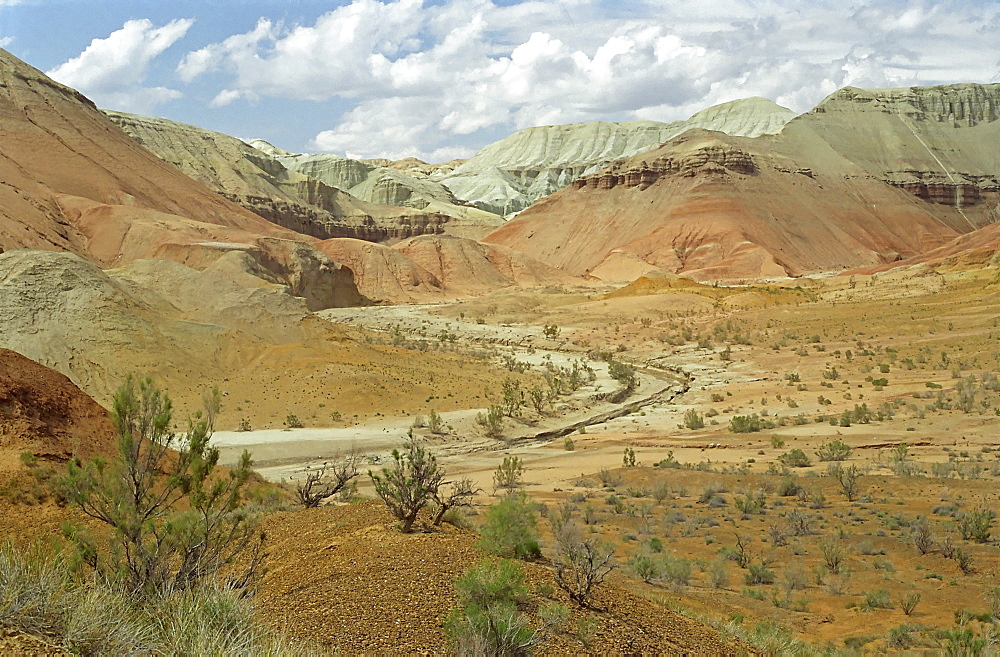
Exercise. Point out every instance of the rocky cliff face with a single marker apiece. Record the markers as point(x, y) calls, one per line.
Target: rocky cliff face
point(938, 143)
point(513, 173)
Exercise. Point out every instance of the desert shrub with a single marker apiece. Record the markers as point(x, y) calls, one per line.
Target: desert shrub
point(976, 525)
point(435, 422)
point(879, 599)
point(646, 567)
point(292, 421)
point(508, 474)
point(749, 424)
point(759, 573)
point(832, 552)
point(718, 574)
point(628, 458)
point(693, 419)
point(582, 562)
point(510, 529)
point(153, 544)
point(908, 602)
point(964, 561)
point(410, 483)
point(609, 478)
point(788, 487)
point(623, 373)
point(491, 421)
point(568, 444)
point(40, 595)
point(448, 501)
point(848, 478)
point(325, 481)
point(751, 504)
point(795, 458)
point(922, 535)
point(834, 450)
point(676, 571)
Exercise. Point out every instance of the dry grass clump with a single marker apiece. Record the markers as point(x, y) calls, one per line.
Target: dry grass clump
point(40, 595)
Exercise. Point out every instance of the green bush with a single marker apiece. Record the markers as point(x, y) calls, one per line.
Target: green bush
point(834, 450)
point(510, 529)
point(749, 424)
point(693, 419)
point(795, 458)
point(976, 525)
point(486, 619)
point(40, 595)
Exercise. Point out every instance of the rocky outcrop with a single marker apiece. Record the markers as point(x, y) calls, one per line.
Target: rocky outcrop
point(713, 207)
point(705, 159)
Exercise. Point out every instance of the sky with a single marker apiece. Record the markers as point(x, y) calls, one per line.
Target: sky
point(439, 79)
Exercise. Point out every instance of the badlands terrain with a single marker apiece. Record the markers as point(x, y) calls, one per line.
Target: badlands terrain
point(755, 353)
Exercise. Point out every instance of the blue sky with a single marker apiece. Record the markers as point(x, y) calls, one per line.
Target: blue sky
point(441, 78)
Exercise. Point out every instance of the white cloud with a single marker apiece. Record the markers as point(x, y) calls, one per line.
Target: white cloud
point(427, 79)
point(113, 70)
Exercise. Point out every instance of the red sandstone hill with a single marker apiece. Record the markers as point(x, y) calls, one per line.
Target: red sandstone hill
point(867, 178)
point(42, 411)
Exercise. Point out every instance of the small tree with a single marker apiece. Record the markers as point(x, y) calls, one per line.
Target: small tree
point(153, 546)
point(582, 563)
point(508, 474)
point(409, 483)
point(327, 480)
point(628, 458)
point(848, 478)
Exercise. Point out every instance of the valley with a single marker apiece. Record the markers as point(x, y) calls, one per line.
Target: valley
point(747, 363)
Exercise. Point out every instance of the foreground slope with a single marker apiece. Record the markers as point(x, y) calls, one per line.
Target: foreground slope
point(712, 206)
point(337, 571)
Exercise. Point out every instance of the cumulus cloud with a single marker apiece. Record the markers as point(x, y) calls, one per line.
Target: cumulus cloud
point(435, 79)
point(113, 71)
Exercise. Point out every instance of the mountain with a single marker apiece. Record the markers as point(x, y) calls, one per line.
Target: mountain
point(826, 193)
point(938, 143)
point(259, 182)
point(406, 183)
point(73, 181)
point(511, 174)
